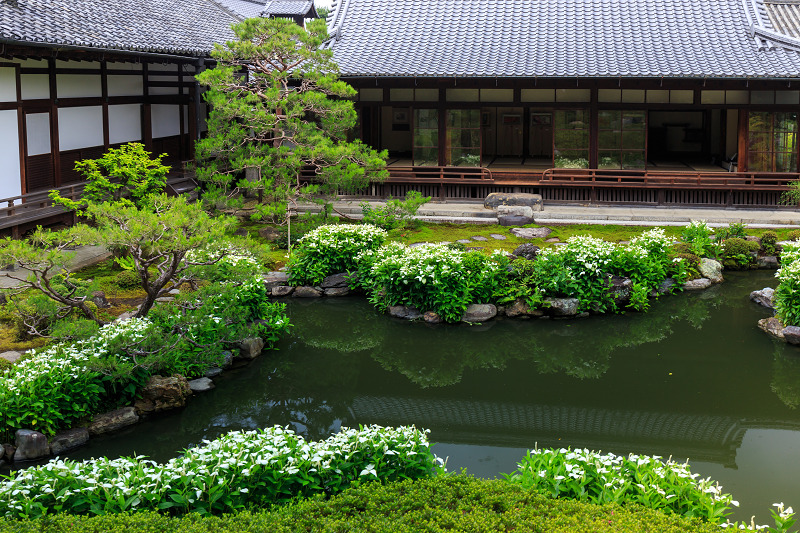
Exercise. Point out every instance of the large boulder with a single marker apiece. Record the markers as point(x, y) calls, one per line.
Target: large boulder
point(337, 291)
point(251, 347)
point(113, 420)
point(404, 311)
point(11, 356)
point(764, 297)
point(520, 308)
point(336, 281)
point(68, 440)
point(697, 284)
point(526, 251)
point(531, 233)
point(274, 279)
point(479, 313)
point(619, 289)
point(100, 300)
point(269, 234)
point(431, 317)
point(281, 291)
point(495, 199)
point(562, 306)
point(767, 262)
point(513, 220)
point(30, 445)
point(773, 326)
point(163, 394)
point(307, 292)
point(791, 334)
point(518, 210)
point(711, 269)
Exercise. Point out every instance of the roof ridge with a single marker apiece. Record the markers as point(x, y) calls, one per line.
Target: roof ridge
point(227, 10)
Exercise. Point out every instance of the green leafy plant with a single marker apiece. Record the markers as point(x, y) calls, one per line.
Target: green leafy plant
point(738, 254)
point(735, 230)
point(127, 175)
point(395, 213)
point(698, 235)
point(793, 235)
point(787, 293)
point(768, 241)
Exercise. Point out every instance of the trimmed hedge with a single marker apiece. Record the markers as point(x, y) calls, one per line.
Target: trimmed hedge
point(453, 504)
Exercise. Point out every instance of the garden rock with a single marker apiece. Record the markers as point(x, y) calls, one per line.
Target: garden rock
point(113, 420)
point(305, 291)
point(126, 315)
point(495, 199)
point(227, 359)
point(273, 279)
point(69, 440)
point(269, 234)
point(520, 308)
point(773, 326)
point(479, 313)
point(337, 291)
point(791, 334)
point(165, 299)
point(619, 289)
point(201, 385)
point(463, 241)
point(162, 394)
point(405, 311)
point(335, 281)
point(30, 445)
point(432, 317)
point(99, 299)
point(563, 306)
point(697, 284)
point(769, 262)
point(8, 451)
point(282, 290)
point(711, 269)
point(531, 233)
point(251, 347)
point(479, 238)
point(764, 297)
point(513, 220)
point(553, 239)
point(497, 236)
point(518, 210)
point(213, 372)
point(11, 356)
point(174, 292)
point(664, 288)
point(526, 251)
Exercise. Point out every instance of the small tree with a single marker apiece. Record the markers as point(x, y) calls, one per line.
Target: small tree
point(277, 106)
point(126, 175)
point(158, 239)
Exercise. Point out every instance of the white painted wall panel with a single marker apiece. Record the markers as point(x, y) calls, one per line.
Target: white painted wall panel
point(8, 84)
point(165, 120)
point(78, 85)
point(37, 127)
point(125, 86)
point(35, 86)
point(77, 64)
point(10, 179)
point(124, 123)
point(123, 66)
point(162, 67)
point(163, 90)
point(80, 127)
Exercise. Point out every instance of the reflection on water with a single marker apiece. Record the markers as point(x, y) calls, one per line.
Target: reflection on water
point(693, 378)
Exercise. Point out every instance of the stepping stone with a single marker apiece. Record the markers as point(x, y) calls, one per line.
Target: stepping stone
point(464, 241)
point(531, 233)
point(559, 244)
point(554, 239)
point(473, 248)
point(416, 244)
point(479, 238)
point(497, 236)
point(11, 356)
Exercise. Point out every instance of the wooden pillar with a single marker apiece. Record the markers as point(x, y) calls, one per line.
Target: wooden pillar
point(742, 157)
point(442, 111)
point(23, 186)
point(54, 149)
point(594, 130)
point(147, 124)
point(104, 89)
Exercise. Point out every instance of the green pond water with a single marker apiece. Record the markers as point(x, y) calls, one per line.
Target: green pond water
point(693, 378)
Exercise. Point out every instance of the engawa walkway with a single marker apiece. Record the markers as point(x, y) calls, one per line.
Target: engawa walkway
point(474, 212)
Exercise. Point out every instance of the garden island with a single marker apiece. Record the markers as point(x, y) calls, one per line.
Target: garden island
point(278, 266)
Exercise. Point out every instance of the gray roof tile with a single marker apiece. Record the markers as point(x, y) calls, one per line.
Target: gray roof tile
point(553, 38)
point(244, 8)
point(183, 27)
point(289, 7)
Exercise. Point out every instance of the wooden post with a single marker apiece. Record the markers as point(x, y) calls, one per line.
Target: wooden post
point(54, 149)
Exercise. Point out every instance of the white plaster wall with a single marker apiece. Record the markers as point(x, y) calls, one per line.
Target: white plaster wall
point(124, 123)
point(77, 64)
point(163, 90)
point(10, 178)
point(78, 85)
point(35, 86)
point(162, 67)
point(123, 66)
point(8, 84)
point(203, 116)
point(37, 126)
point(165, 120)
point(80, 127)
point(125, 86)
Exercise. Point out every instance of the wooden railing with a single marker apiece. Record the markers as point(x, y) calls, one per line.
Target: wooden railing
point(743, 181)
point(25, 209)
point(442, 174)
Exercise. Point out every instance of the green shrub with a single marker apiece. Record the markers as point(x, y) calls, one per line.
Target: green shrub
point(768, 241)
point(238, 470)
point(738, 254)
point(682, 248)
point(395, 213)
point(331, 249)
point(636, 479)
point(453, 504)
point(128, 279)
point(787, 293)
point(793, 235)
point(735, 230)
point(698, 235)
point(691, 263)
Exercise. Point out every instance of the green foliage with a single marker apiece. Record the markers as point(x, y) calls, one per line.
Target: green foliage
point(331, 249)
point(521, 283)
point(128, 279)
point(293, 113)
point(735, 230)
point(396, 213)
point(127, 175)
point(698, 235)
point(234, 472)
point(691, 263)
point(768, 241)
point(793, 235)
point(791, 196)
point(787, 293)
point(636, 479)
point(453, 504)
point(738, 254)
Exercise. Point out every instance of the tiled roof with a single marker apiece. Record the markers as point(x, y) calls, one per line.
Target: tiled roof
point(244, 8)
point(289, 8)
point(555, 38)
point(776, 23)
point(183, 27)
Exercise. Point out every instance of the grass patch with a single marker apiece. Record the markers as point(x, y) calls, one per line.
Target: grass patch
point(454, 504)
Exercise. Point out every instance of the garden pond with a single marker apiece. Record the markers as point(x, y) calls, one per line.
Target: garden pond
point(693, 378)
